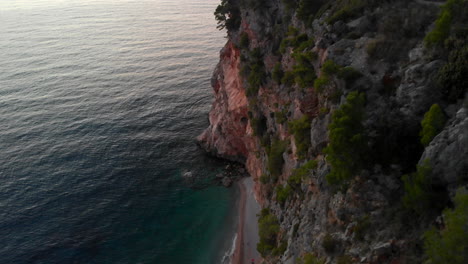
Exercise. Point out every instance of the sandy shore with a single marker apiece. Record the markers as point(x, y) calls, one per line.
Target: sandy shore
point(247, 231)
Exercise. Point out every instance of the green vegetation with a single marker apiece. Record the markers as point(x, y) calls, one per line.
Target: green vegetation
point(328, 243)
point(298, 42)
point(361, 227)
point(264, 179)
point(432, 124)
point(281, 117)
point(344, 260)
point(329, 67)
point(323, 111)
point(288, 78)
point(347, 148)
point(275, 158)
point(298, 174)
point(255, 71)
point(443, 23)
point(349, 74)
point(268, 229)
point(451, 78)
point(277, 73)
point(244, 41)
point(303, 71)
point(290, 5)
point(346, 9)
point(282, 194)
point(281, 249)
point(321, 82)
point(307, 10)
point(300, 128)
point(418, 192)
point(259, 125)
point(451, 244)
point(227, 14)
point(310, 259)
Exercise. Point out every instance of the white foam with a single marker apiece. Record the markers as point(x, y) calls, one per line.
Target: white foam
point(227, 258)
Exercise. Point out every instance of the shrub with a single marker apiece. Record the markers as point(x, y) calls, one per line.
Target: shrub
point(348, 10)
point(304, 75)
point(349, 74)
point(300, 128)
point(290, 5)
point(451, 78)
point(282, 194)
point(244, 40)
point(344, 260)
point(361, 227)
point(320, 83)
point(310, 259)
point(227, 14)
point(264, 179)
point(275, 158)
point(307, 9)
point(451, 244)
point(256, 72)
point(298, 174)
point(277, 73)
point(432, 124)
point(323, 111)
point(268, 228)
point(303, 71)
point(441, 31)
point(418, 189)
point(288, 78)
point(347, 149)
point(281, 117)
point(281, 249)
point(329, 67)
point(328, 243)
point(259, 125)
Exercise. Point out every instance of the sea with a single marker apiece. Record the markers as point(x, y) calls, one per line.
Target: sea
point(100, 105)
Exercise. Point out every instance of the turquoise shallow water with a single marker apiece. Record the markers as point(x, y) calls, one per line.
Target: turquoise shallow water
point(100, 102)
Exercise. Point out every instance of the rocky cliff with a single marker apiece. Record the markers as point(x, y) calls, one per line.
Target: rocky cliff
point(340, 110)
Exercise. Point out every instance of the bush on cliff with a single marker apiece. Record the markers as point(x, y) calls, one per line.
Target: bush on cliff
point(347, 149)
point(450, 245)
point(298, 174)
point(418, 192)
point(432, 124)
point(450, 12)
point(307, 9)
point(268, 229)
point(244, 41)
point(300, 128)
point(346, 9)
point(452, 77)
point(255, 71)
point(310, 259)
point(282, 194)
point(277, 73)
point(275, 158)
point(228, 15)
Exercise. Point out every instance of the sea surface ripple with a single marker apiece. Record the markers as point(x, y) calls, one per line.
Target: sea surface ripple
point(100, 102)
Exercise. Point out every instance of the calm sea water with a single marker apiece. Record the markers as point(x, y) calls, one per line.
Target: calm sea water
point(100, 102)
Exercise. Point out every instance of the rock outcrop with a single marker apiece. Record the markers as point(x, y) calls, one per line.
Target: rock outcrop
point(286, 68)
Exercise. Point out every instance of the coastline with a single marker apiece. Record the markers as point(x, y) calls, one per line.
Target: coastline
point(247, 229)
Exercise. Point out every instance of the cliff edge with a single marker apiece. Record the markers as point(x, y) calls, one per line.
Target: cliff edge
point(352, 119)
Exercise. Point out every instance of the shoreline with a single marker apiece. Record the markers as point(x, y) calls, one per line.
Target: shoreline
point(247, 229)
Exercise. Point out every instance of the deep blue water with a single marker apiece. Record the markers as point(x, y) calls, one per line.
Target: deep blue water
point(100, 102)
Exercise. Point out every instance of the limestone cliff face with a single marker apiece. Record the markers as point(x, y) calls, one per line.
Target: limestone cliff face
point(283, 73)
point(227, 134)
